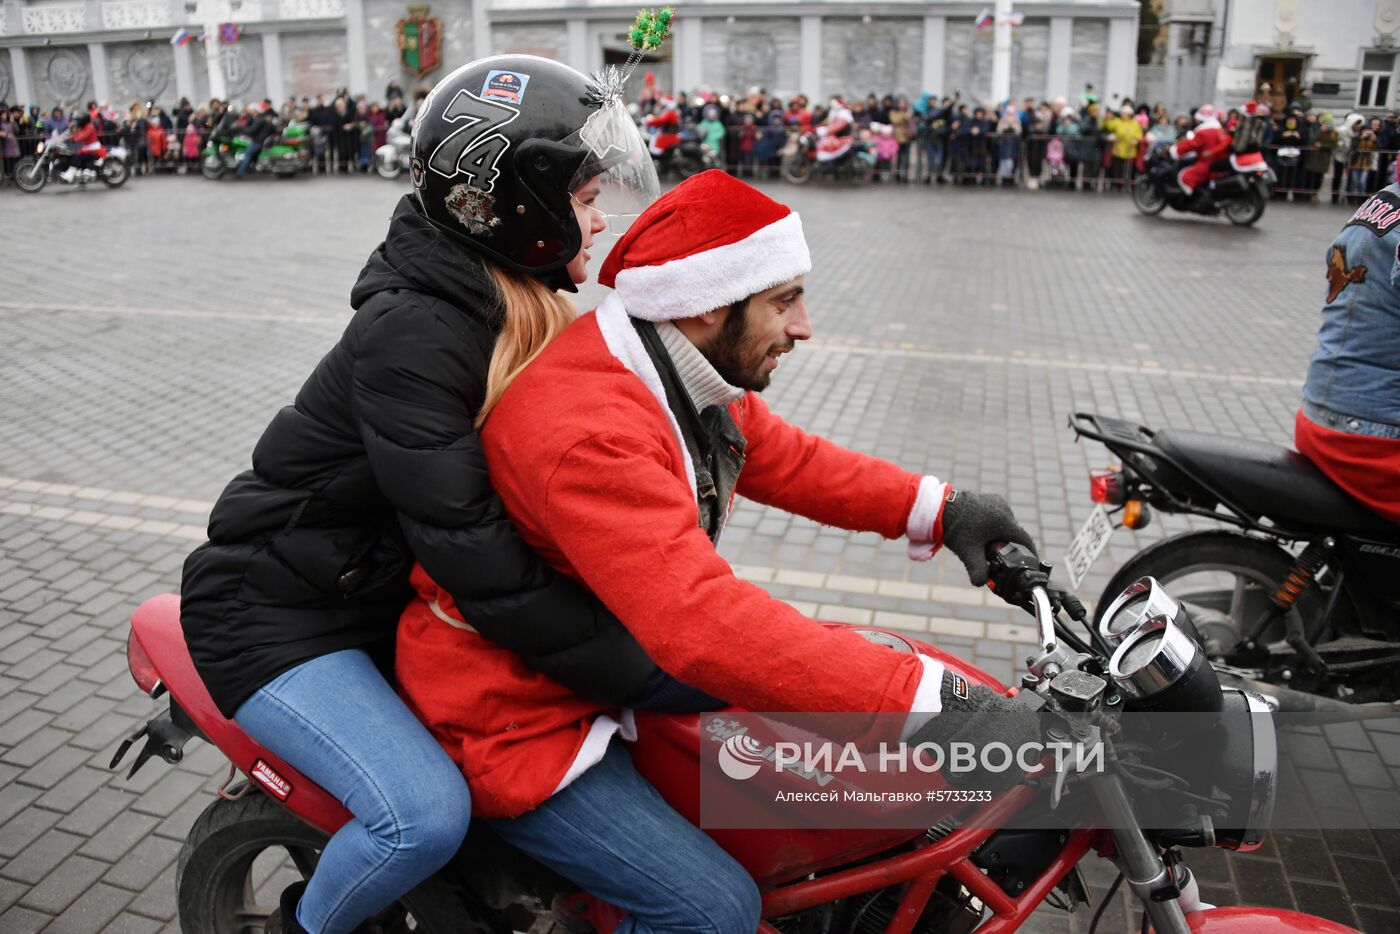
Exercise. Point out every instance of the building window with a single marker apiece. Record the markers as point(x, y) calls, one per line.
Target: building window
point(1376, 71)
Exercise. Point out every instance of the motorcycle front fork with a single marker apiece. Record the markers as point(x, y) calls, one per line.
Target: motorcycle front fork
point(1161, 891)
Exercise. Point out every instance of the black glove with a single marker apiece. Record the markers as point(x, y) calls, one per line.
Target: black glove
point(1015, 572)
point(973, 521)
point(974, 713)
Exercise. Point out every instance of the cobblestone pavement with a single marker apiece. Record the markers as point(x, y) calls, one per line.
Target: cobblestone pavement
point(147, 335)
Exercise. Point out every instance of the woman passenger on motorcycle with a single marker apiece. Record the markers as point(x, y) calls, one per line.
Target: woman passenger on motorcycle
point(290, 609)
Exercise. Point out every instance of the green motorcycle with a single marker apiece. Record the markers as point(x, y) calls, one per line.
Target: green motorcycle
point(284, 154)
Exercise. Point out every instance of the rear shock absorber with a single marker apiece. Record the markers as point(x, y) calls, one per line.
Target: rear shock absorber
point(1305, 569)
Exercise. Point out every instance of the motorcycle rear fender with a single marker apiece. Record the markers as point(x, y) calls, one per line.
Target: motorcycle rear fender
point(156, 626)
point(1240, 920)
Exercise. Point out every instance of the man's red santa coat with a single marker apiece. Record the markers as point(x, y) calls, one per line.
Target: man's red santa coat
point(1210, 143)
point(590, 466)
point(666, 125)
point(591, 473)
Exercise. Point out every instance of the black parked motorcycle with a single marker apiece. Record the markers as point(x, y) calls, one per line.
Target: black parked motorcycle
point(1239, 195)
point(688, 157)
point(1304, 593)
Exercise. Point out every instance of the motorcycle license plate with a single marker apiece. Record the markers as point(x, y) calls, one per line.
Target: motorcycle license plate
point(1088, 545)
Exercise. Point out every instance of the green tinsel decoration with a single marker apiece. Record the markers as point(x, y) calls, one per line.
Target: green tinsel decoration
point(648, 33)
point(651, 29)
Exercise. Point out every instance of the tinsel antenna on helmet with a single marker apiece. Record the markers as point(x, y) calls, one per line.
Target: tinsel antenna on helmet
point(649, 31)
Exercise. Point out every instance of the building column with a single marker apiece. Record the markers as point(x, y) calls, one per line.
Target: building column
point(934, 40)
point(688, 59)
point(481, 31)
point(272, 68)
point(1057, 63)
point(184, 72)
point(97, 54)
point(811, 72)
point(1121, 77)
point(1001, 52)
point(19, 74)
point(1172, 77)
point(355, 48)
point(578, 43)
point(184, 54)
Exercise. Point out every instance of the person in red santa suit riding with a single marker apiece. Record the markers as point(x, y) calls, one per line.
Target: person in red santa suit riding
point(1209, 142)
point(87, 149)
point(664, 126)
point(616, 453)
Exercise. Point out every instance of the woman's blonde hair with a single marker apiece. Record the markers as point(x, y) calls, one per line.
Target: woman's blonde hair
point(534, 315)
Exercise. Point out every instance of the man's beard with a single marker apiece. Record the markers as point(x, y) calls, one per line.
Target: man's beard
point(738, 363)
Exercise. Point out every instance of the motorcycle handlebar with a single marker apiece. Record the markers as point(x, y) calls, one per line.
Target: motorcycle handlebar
point(1018, 576)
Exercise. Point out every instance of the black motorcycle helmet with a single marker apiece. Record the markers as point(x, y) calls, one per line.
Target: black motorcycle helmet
point(499, 144)
point(82, 119)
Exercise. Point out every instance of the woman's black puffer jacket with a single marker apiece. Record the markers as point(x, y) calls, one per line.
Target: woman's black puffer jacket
point(375, 464)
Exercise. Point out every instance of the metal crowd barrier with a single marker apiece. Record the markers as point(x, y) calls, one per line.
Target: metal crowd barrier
point(327, 155)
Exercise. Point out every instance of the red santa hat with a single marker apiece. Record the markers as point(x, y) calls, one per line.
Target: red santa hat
point(707, 243)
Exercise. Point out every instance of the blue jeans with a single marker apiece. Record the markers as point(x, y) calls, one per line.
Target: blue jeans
point(249, 154)
point(612, 834)
point(338, 722)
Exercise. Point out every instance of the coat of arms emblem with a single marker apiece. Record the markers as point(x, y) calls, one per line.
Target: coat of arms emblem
point(420, 41)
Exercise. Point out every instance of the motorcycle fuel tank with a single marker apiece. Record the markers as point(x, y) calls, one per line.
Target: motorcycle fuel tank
point(667, 753)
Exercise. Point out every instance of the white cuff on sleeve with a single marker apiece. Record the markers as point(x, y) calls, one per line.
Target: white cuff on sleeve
point(924, 516)
point(928, 697)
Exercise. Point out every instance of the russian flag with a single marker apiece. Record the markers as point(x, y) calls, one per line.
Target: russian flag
point(182, 37)
point(984, 19)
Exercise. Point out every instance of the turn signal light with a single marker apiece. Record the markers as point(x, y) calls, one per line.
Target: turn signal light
point(1136, 514)
point(143, 670)
point(1106, 486)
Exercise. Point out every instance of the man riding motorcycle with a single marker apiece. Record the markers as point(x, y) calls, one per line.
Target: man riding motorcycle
point(1209, 142)
point(86, 147)
point(624, 481)
point(262, 126)
point(664, 127)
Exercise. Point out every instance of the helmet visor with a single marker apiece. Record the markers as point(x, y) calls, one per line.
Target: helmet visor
point(617, 155)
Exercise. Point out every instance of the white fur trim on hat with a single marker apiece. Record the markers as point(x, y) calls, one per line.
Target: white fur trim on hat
point(701, 282)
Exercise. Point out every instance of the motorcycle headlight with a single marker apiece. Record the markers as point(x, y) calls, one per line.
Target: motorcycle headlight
point(39, 149)
point(1250, 770)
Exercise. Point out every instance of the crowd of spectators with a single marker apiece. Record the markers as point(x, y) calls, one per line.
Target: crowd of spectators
point(345, 130)
point(1084, 143)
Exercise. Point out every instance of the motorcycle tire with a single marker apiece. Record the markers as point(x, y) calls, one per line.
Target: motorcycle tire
point(1147, 198)
point(797, 169)
point(388, 168)
point(28, 176)
point(212, 168)
point(686, 167)
point(1245, 210)
point(114, 173)
point(1257, 561)
point(214, 875)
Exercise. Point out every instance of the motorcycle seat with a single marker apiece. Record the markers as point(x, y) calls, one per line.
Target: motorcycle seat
point(1273, 482)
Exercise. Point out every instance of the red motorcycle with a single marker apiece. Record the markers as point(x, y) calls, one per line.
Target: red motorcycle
point(967, 869)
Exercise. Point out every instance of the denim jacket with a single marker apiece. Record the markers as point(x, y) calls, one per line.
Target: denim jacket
point(1353, 380)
